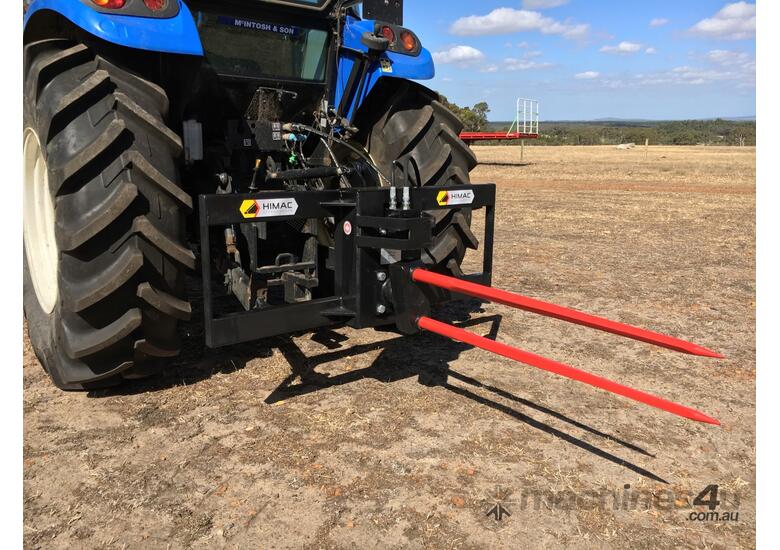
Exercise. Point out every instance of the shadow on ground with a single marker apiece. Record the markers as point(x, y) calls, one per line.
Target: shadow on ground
point(198, 363)
point(488, 163)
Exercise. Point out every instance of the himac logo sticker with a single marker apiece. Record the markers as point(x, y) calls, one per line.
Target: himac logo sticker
point(268, 208)
point(451, 198)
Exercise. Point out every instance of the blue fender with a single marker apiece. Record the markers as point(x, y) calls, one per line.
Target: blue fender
point(176, 34)
point(390, 64)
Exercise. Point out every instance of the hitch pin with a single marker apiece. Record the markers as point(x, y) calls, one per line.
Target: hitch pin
point(253, 185)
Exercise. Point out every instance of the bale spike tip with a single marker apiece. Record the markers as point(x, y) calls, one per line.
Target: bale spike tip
point(455, 333)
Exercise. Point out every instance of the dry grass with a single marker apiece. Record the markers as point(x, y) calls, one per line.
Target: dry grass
point(382, 441)
point(661, 169)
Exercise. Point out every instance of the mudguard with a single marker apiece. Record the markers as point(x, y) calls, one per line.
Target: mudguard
point(390, 64)
point(177, 34)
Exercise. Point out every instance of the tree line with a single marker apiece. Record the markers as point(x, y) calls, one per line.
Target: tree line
point(474, 118)
point(674, 132)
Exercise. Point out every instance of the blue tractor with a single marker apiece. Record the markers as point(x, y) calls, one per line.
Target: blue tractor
point(278, 150)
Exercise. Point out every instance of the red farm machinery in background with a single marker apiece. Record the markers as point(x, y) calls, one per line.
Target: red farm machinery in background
point(525, 125)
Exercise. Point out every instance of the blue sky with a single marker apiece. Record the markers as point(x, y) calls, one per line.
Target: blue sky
point(586, 59)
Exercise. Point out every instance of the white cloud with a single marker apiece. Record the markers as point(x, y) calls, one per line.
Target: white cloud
point(742, 76)
point(523, 45)
point(532, 54)
point(543, 4)
point(658, 22)
point(723, 68)
point(509, 20)
point(728, 57)
point(650, 51)
point(462, 55)
point(614, 84)
point(490, 69)
point(512, 64)
point(622, 48)
point(734, 22)
point(587, 75)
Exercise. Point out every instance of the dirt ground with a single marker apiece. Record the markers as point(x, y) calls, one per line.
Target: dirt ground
point(347, 439)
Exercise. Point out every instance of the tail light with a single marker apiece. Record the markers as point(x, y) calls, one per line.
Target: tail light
point(409, 41)
point(156, 5)
point(399, 39)
point(110, 4)
point(388, 33)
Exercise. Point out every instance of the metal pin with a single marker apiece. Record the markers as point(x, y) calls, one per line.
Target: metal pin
point(407, 204)
point(393, 201)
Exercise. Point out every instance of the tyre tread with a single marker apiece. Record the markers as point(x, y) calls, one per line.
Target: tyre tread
point(414, 123)
point(119, 212)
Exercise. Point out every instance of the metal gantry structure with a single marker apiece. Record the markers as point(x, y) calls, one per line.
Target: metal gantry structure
point(525, 125)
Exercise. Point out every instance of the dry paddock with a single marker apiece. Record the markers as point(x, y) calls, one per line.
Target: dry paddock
point(346, 439)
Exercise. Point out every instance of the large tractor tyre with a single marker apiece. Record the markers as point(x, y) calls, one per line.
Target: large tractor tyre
point(104, 219)
point(402, 122)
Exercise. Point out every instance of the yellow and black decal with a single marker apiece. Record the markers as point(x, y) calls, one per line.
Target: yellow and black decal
point(268, 208)
point(453, 198)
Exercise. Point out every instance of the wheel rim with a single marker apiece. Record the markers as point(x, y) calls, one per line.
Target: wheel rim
point(39, 239)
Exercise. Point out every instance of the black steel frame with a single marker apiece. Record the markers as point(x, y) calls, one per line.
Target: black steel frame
point(356, 259)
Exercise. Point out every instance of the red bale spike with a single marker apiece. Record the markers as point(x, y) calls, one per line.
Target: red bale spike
point(559, 312)
point(443, 329)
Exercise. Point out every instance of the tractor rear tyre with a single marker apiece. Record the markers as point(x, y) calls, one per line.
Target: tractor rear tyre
point(402, 122)
point(104, 219)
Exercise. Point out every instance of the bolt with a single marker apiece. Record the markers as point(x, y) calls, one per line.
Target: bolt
point(381, 309)
point(224, 178)
point(381, 276)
